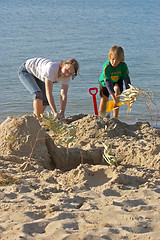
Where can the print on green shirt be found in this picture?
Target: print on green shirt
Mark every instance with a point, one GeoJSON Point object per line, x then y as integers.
{"type": "Point", "coordinates": [114, 74]}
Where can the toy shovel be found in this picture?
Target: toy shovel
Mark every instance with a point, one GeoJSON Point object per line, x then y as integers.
{"type": "Point", "coordinates": [95, 91]}
{"type": "Point", "coordinates": [110, 105]}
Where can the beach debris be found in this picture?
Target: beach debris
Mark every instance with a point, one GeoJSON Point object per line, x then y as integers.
{"type": "Point", "coordinates": [130, 95]}
{"type": "Point", "coordinates": [63, 133]}
{"type": "Point", "coordinates": [11, 139]}
{"type": "Point", "coordinates": [26, 166]}
{"type": "Point", "coordinates": [6, 179]}
{"type": "Point", "coordinates": [142, 95]}
{"type": "Point", "coordinates": [108, 156]}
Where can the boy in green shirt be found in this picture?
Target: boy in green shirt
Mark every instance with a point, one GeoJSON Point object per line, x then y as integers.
{"type": "Point", "coordinates": [114, 72]}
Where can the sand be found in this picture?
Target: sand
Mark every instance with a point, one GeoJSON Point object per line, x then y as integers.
{"type": "Point", "coordinates": [49, 193]}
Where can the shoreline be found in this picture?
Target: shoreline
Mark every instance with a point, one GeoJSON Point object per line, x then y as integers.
{"type": "Point", "coordinates": [129, 121]}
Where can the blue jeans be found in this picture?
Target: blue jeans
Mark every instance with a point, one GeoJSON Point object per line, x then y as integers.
{"type": "Point", "coordinates": [34, 85]}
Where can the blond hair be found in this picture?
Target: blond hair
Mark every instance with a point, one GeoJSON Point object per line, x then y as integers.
{"type": "Point", "coordinates": [116, 52]}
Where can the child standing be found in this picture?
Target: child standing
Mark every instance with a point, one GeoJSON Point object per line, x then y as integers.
{"type": "Point", "coordinates": [114, 72]}
{"type": "Point", "coordinates": [39, 74]}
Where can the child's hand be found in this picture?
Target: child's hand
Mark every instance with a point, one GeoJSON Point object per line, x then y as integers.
{"type": "Point", "coordinates": [115, 104]}
{"type": "Point", "coordinates": [60, 116]}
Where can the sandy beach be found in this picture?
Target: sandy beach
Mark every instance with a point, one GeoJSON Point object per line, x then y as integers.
{"type": "Point", "coordinates": [47, 192]}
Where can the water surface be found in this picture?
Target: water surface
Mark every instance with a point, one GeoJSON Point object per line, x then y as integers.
{"type": "Point", "coordinates": [85, 30]}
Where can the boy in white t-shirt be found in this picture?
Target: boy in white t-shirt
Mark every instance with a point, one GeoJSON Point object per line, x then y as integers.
{"type": "Point", "coordinates": [38, 76]}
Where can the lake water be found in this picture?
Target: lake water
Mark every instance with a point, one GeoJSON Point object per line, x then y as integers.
{"type": "Point", "coordinates": [85, 30]}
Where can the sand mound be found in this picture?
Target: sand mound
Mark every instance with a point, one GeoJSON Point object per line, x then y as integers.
{"type": "Point", "coordinates": [17, 139]}
{"type": "Point", "coordinates": [136, 144]}
{"type": "Point", "coordinates": [22, 138]}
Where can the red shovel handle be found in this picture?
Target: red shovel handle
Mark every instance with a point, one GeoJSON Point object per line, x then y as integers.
{"type": "Point", "coordinates": [93, 89]}
{"type": "Point", "coordinates": [94, 98]}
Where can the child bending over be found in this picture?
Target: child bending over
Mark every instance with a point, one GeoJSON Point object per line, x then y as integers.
{"type": "Point", "coordinates": [40, 74]}
{"type": "Point", "coordinates": [114, 72]}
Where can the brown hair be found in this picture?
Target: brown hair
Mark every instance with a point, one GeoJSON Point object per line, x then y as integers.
{"type": "Point", "coordinates": [117, 52]}
{"type": "Point", "coordinates": [73, 62]}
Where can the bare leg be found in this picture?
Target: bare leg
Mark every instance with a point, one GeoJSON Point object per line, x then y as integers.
{"type": "Point", "coordinates": [102, 106]}
{"type": "Point", "coordinates": [117, 93]}
{"type": "Point", "coordinates": [38, 108]}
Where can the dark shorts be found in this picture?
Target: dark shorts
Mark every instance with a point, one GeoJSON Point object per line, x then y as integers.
{"type": "Point", "coordinates": [41, 85]}
{"type": "Point", "coordinates": [104, 90]}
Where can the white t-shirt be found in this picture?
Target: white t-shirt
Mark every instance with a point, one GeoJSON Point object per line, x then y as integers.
{"type": "Point", "coordinates": [43, 68]}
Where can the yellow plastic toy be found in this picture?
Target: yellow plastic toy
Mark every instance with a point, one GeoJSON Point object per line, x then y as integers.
{"type": "Point", "coordinates": [110, 105]}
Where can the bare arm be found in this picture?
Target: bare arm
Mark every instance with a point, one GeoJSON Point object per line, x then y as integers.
{"type": "Point", "coordinates": [63, 99]}
{"type": "Point", "coordinates": [114, 99]}
{"type": "Point", "coordinates": [111, 91]}
{"type": "Point", "coordinates": [49, 95]}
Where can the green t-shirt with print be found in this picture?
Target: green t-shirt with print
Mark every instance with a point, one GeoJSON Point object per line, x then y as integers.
{"type": "Point", "coordinates": [114, 74]}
